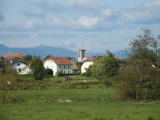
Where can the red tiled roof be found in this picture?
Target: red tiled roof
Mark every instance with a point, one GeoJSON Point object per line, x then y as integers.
{"type": "Point", "coordinates": [74, 66]}
{"type": "Point", "coordinates": [115, 57]}
{"type": "Point", "coordinates": [12, 56]}
{"type": "Point", "coordinates": [91, 58]}
{"type": "Point", "coordinates": [60, 60]}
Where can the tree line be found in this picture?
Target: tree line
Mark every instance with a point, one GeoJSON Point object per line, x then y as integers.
{"type": "Point", "coordinates": [138, 76]}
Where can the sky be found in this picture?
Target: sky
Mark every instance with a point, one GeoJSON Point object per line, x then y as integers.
{"type": "Point", "coordinates": [94, 25]}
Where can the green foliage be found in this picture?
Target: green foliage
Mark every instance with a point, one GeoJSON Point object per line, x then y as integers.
{"type": "Point", "coordinates": [37, 68]}
{"type": "Point", "coordinates": [28, 58]}
{"type": "Point", "coordinates": [59, 73]}
{"type": "Point", "coordinates": [2, 67]}
{"type": "Point", "coordinates": [16, 58]}
{"type": "Point", "coordinates": [104, 68]}
{"type": "Point", "coordinates": [140, 77]}
{"type": "Point", "coordinates": [7, 82]}
{"type": "Point", "coordinates": [47, 56]}
{"type": "Point", "coordinates": [79, 66]}
{"type": "Point", "coordinates": [48, 72]}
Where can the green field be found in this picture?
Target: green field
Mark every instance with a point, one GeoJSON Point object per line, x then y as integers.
{"type": "Point", "coordinates": [78, 103]}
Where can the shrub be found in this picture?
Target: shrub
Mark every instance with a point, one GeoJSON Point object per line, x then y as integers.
{"type": "Point", "coordinates": [37, 68]}
{"type": "Point", "coordinates": [59, 73]}
{"type": "Point", "coordinates": [48, 72]}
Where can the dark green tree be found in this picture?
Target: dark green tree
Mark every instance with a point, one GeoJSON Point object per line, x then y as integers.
{"type": "Point", "coordinates": [2, 66]}
{"type": "Point", "coordinates": [28, 58]}
{"type": "Point", "coordinates": [104, 68]}
{"type": "Point", "coordinates": [141, 76]}
{"type": "Point", "coordinates": [37, 68]}
{"type": "Point", "coordinates": [47, 56]}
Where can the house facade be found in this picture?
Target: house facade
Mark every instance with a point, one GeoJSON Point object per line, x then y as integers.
{"type": "Point", "coordinates": [87, 62]}
{"type": "Point", "coordinates": [26, 70]}
{"type": "Point", "coordinates": [59, 64]}
{"type": "Point", "coordinates": [18, 66]}
{"type": "Point", "coordinates": [75, 68]}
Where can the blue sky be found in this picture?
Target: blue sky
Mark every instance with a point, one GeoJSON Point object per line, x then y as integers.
{"type": "Point", "coordinates": [98, 24]}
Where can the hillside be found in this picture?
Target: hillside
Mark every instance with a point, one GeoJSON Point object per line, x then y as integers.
{"type": "Point", "coordinates": [47, 50]}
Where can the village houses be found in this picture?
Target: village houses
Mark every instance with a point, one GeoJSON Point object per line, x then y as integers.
{"type": "Point", "coordinates": [59, 64]}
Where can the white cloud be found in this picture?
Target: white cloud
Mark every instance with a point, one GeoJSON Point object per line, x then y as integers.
{"type": "Point", "coordinates": [81, 2]}
{"type": "Point", "coordinates": [29, 24]}
{"type": "Point", "coordinates": [87, 22]}
{"type": "Point", "coordinates": [155, 3]}
{"type": "Point", "coordinates": [107, 12]}
{"type": "Point", "coordinates": [145, 13]}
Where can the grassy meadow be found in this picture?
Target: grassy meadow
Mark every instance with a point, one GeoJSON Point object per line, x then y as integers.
{"type": "Point", "coordinates": [77, 99]}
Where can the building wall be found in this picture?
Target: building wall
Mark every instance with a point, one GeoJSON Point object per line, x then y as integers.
{"type": "Point", "coordinates": [81, 55]}
{"type": "Point", "coordinates": [18, 66]}
{"type": "Point", "coordinates": [25, 72]}
{"type": "Point", "coordinates": [67, 69]}
{"type": "Point", "coordinates": [85, 66]}
{"type": "Point", "coordinates": [50, 64]}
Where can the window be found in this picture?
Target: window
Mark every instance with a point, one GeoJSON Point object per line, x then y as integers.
{"type": "Point", "coordinates": [18, 64]}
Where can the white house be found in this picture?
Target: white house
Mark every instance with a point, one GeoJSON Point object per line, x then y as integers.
{"type": "Point", "coordinates": [87, 62]}
{"type": "Point", "coordinates": [18, 66]}
{"type": "Point", "coordinates": [25, 70]}
{"type": "Point", "coordinates": [59, 64]}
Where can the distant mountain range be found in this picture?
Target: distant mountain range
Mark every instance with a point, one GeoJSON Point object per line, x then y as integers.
{"type": "Point", "coordinates": [46, 50]}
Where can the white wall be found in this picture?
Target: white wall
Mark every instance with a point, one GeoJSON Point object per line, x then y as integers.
{"type": "Point", "coordinates": [25, 71]}
{"type": "Point", "coordinates": [50, 64]}
{"type": "Point", "coordinates": [67, 69]}
{"type": "Point", "coordinates": [18, 66]}
{"type": "Point", "coordinates": [85, 66]}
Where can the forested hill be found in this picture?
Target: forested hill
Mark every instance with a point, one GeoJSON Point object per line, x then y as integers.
{"type": "Point", "coordinates": [39, 50]}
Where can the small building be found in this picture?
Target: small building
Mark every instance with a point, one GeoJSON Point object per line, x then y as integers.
{"type": "Point", "coordinates": [18, 66]}
{"type": "Point", "coordinates": [75, 68]}
{"type": "Point", "coordinates": [87, 62]}
{"type": "Point", "coordinates": [59, 64]}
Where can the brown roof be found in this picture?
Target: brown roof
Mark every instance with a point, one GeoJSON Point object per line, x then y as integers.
{"type": "Point", "coordinates": [91, 58]}
{"type": "Point", "coordinates": [61, 60]}
{"type": "Point", "coordinates": [116, 57]}
{"type": "Point", "coordinates": [74, 66]}
{"type": "Point", "coordinates": [12, 56]}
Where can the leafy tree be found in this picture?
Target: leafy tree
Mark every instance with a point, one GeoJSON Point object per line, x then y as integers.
{"type": "Point", "coordinates": [28, 58]}
{"type": "Point", "coordinates": [48, 56]}
{"type": "Point", "coordinates": [108, 53]}
{"type": "Point", "coordinates": [48, 72]}
{"type": "Point", "coordinates": [2, 66]}
{"type": "Point", "coordinates": [104, 68]}
{"type": "Point", "coordinates": [59, 73]}
{"type": "Point", "coordinates": [140, 78]}
{"type": "Point", "coordinates": [17, 58]}
{"type": "Point", "coordinates": [37, 68]}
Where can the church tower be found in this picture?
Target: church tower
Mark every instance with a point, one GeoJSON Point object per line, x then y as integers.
{"type": "Point", "coordinates": [81, 55]}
